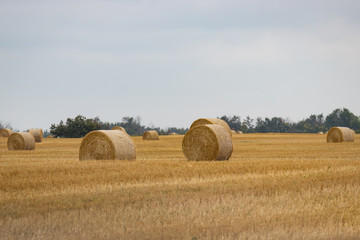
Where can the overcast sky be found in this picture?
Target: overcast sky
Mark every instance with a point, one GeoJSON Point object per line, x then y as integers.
{"type": "Point", "coordinates": [171, 62]}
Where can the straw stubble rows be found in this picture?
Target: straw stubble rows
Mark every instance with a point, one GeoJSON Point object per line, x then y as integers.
{"type": "Point", "coordinates": [274, 186]}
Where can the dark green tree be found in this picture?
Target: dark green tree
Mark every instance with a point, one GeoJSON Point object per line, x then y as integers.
{"type": "Point", "coordinates": [260, 125]}
{"type": "Point", "coordinates": [177, 130]}
{"type": "Point", "coordinates": [75, 127]}
{"type": "Point", "coordinates": [132, 126]}
{"type": "Point", "coordinates": [275, 124]}
{"type": "Point", "coordinates": [58, 130]}
{"type": "Point", "coordinates": [343, 118]}
{"type": "Point", "coordinates": [247, 125]}
{"type": "Point", "coordinates": [313, 124]}
{"type": "Point", "coordinates": [278, 124]}
{"type": "Point", "coordinates": [234, 122]}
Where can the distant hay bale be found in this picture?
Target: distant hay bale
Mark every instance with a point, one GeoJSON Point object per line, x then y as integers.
{"type": "Point", "coordinates": [239, 132]}
{"type": "Point", "coordinates": [118, 128]}
{"type": "Point", "coordinates": [150, 135]}
{"type": "Point", "coordinates": [206, 143]}
{"type": "Point", "coordinates": [21, 141]}
{"type": "Point", "coordinates": [5, 132]}
{"type": "Point", "coordinates": [320, 133]}
{"type": "Point", "coordinates": [107, 145]}
{"type": "Point", "coordinates": [340, 134]}
{"type": "Point", "coordinates": [233, 132]}
{"type": "Point", "coordinates": [37, 133]}
{"type": "Point", "coordinates": [203, 121]}
{"type": "Point", "coordinates": [50, 136]}
{"type": "Point", "coordinates": [174, 133]}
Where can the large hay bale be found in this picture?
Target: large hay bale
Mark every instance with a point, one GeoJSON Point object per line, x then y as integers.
{"type": "Point", "coordinates": [37, 133]}
{"type": "Point", "coordinates": [118, 128]}
{"type": "Point", "coordinates": [21, 141]}
{"type": "Point", "coordinates": [107, 145]}
{"type": "Point", "coordinates": [340, 134]}
{"type": "Point", "coordinates": [203, 121]}
{"type": "Point", "coordinates": [207, 142]}
{"type": "Point", "coordinates": [150, 135]}
{"type": "Point", "coordinates": [5, 132]}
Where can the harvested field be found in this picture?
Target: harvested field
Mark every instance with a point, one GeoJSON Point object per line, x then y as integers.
{"type": "Point", "coordinates": [274, 186]}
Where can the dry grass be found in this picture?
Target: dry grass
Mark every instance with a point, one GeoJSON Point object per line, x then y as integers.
{"type": "Point", "coordinates": [275, 186]}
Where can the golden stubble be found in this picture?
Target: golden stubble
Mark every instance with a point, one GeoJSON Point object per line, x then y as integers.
{"type": "Point", "coordinates": [275, 186]}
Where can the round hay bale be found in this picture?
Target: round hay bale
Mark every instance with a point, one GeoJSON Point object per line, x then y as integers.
{"type": "Point", "coordinates": [118, 128]}
{"type": "Point", "coordinates": [21, 141]}
{"type": "Point", "coordinates": [239, 132]}
{"type": "Point", "coordinates": [233, 132]}
{"type": "Point", "coordinates": [150, 135]}
{"type": "Point", "coordinates": [206, 143]}
{"type": "Point", "coordinates": [340, 134]}
{"type": "Point", "coordinates": [320, 133]}
{"type": "Point", "coordinates": [50, 136]}
{"type": "Point", "coordinates": [203, 121]}
{"type": "Point", "coordinates": [107, 145]}
{"type": "Point", "coordinates": [5, 132]}
{"type": "Point", "coordinates": [37, 133]}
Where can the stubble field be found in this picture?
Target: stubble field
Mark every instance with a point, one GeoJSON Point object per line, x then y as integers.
{"type": "Point", "coordinates": [275, 186]}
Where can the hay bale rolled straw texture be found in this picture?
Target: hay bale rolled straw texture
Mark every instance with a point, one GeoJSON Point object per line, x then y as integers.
{"type": "Point", "coordinates": [206, 143]}
{"type": "Point", "coordinates": [107, 145]}
{"type": "Point", "coordinates": [37, 133]}
{"type": "Point", "coordinates": [21, 141]}
{"type": "Point", "coordinates": [150, 135]}
{"type": "Point", "coordinates": [118, 128]}
{"type": "Point", "coordinates": [5, 132]}
{"type": "Point", "coordinates": [203, 121]}
{"type": "Point", "coordinates": [340, 134]}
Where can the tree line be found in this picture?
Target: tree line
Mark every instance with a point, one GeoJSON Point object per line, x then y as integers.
{"type": "Point", "coordinates": [313, 124]}
{"type": "Point", "coordinates": [80, 125]}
